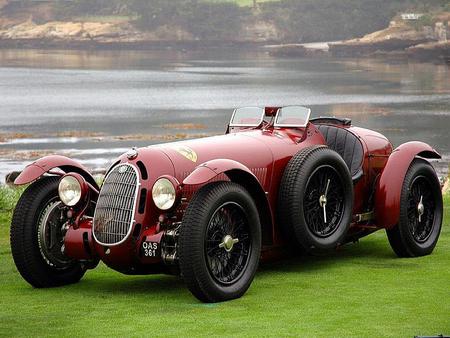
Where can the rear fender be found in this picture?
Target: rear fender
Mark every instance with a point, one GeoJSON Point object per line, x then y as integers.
{"type": "Point", "coordinates": [389, 186]}
{"type": "Point", "coordinates": [45, 164]}
{"type": "Point", "coordinates": [238, 173]}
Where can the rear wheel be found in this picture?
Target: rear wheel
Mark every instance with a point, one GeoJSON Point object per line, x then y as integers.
{"type": "Point", "coordinates": [37, 237]}
{"type": "Point", "coordinates": [220, 242]}
{"type": "Point", "coordinates": [421, 205]}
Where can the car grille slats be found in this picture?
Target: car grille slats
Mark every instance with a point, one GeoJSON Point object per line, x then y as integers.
{"type": "Point", "coordinates": [114, 213]}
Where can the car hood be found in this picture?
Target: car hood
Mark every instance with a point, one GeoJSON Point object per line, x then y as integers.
{"type": "Point", "coordinates": [241, 147]}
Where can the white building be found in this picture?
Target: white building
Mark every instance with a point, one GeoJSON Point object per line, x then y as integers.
{"type": "Point", "coordinates": [411, 16]}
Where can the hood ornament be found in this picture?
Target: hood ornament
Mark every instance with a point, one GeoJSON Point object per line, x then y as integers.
{"type": "Point", "coordinates": [132, 153]}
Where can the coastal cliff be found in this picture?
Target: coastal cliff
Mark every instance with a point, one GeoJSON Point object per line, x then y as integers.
{"type": "Point", "coordinates": [288, 27]}
{"type": "Point", "coordinates": [411, 37]}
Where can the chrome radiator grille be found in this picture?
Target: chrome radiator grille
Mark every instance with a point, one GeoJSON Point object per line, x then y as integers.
{"type": "Point", "coordinates": [114, 213]}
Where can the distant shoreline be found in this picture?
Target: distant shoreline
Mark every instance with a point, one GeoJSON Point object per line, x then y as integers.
{"type": "Point", "coordinates": [121, 45]}
{"type": "Point", "coordinates": [440, 53]}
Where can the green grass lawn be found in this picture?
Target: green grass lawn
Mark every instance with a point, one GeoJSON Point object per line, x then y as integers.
{"type": "Point", "coordinates": [363, 290]}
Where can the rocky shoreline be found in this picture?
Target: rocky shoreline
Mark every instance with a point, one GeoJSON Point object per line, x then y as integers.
{"type": "Point", "coordinates": [123, 45]}
{"type": "Point", "coordinates": [400, 39]}
{"type": "Point", "coordinates": [118, 35]}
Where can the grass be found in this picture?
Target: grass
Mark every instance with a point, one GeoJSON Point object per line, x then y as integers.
{"type": "Point", "coordinates": [362, 290]}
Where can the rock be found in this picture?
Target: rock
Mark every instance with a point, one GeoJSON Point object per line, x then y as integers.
{"type": "Point", "coordinates": [260, 31]}
{"type": "Point", "coordinates": [397, 37]}
{"type": "Point", "coordinates": [69, 31]}
{"type": "Point", "coordinates": [10, 178]}
{"type": "Point", "coordinates": [431, 51]}
{"type": "Point", "coordinates": [441, 32]}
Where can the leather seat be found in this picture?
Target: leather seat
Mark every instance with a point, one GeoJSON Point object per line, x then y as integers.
{"type": "Point", "coordinates": [346, 144]}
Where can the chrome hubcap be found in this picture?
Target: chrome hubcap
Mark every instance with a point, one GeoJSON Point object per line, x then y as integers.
{"type": "Point", "coordinates": [420, 209]}
{"type": "Point", "coordinates": [323, 201]}
{"type": "Point", "coordinates": [228, 242]}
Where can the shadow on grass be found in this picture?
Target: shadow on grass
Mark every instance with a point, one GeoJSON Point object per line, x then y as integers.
{"type": "Point", "coordinates": [134, 284]}
{"type": "Point", "coordinates": [369, 254]}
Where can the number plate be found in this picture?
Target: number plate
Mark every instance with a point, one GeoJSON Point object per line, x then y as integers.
{"type": "Point", "coordinates": [150, 249]}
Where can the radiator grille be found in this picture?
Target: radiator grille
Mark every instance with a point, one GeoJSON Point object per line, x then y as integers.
{"type": "Point", "coordinates": [114, 213]}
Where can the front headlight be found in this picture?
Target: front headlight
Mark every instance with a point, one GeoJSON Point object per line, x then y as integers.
{"type": "Point", "coordinates": [164, 194]}
{"type": "Point", "coordinates": [69, 190]}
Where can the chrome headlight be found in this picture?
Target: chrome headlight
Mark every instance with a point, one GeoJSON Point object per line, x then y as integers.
{"type": "Point", "coordinates": [69, 190]}
{"type": "Point", "coordinates": [164, 194]}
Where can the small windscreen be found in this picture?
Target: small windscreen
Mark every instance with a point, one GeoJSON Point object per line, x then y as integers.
{"type": "Point", "coordinates": [247, 117]}
{"type": "Point", "coordinates": [293, 116]}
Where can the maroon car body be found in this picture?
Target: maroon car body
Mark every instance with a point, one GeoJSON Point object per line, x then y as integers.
{"type": "Point", "coordinates": [254, 158]}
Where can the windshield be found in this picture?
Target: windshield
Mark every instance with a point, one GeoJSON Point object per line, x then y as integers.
{"type": "Point", "coordinates": [247, 117]}
{"type": "Point", "coordinates": [293, 116]}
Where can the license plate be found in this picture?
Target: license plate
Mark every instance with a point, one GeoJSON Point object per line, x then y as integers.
{"type": "Point", "coordinates": [150, 249]}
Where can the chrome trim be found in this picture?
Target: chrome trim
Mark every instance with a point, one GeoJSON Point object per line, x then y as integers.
{"type": "Point", "coordinates": [132, 153]}
{"type": "Point", "coordinates": [130, 228]}
{"type": "Point", "coordinates": [275, 124]}
{"type": "Point", "coordinates": [365, 217]}
{"type": "Point", "coordinates": [247, 125]}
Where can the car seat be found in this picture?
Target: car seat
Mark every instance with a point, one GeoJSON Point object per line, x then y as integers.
{"type": "Point", "coordinates": [346, 144]}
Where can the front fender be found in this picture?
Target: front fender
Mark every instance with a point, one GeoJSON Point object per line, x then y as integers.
{"type": "Point", "coordinates": [45, 164]}
{"type": "Point", "coordinates": [389, 186]}
{"type": "Point", "coordinates": [207, 171]}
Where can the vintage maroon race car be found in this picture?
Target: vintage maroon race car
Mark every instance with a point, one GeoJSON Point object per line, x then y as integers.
{"type": "Point", "coordinates": [208, 209]}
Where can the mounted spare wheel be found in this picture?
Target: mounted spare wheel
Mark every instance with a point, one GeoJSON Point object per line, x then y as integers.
{"type": "Point", "coordinates": [316, 199]}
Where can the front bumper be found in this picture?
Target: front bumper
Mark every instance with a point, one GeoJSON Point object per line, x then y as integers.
{"type": "Point", "coordinates": [146, 253]}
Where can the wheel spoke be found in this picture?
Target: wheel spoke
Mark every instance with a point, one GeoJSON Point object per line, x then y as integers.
{"type": "Point", "coordinates": [420, 209]}
{"type": "Point", "coordinates": [324, 205]}
{"type": "Point", "coordinates": [51, 235]}
{"type": "Point", "coordinates": [227, 243]}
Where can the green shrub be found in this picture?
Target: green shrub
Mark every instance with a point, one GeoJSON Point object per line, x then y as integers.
{"type": "Point", "coordinates": [9, 197]}
{"type": "Point", "coordinates": [204, 20]}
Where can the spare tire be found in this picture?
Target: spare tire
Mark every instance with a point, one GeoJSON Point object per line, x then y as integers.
{"type": "Point", "coordinates": [315, 199]}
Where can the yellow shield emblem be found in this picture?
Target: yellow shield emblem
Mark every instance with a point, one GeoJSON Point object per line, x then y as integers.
{"type": "Point", "coordinates": [187, 152]}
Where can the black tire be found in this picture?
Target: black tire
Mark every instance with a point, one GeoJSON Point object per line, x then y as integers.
{"type": "Point", "coordinates": [303, 194]}
{"type": "Point", "coordinates": [202, 234]}
{"type": "Point", "coordinates": [411, 237]}
{"type": "Point", "coordinates": [39, 265]}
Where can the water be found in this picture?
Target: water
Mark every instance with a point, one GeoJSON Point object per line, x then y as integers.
{"type": "Point", "coordinates": [115, 100]}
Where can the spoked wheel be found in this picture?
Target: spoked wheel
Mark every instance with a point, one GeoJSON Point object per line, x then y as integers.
{"type": "Point", "coordinates": [420, 210]}
{"type": "Point", "coordinates": [228, 243]}
{"type": "Point", "coordinates": [420, 221]}
{"type": "Point", "coordinates": [316, 199]}
{"type": "Point", "coordinates": [51, 231]}
{"type": "Point", "coordinates": [38, 228]}
{"type": "Point", "coordinates": [220, 242]}
{"type": "Point", "coordinates": [324, 201]}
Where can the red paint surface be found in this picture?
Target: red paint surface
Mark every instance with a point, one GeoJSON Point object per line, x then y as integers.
{"type": "Point", "coordinates": [261, 153]}
{"type": "Point", "coordinates": [73, 241]}
{"type": "Point", "coordinates": [388, 192]}
{"type": "Point", "coordinates": [47, 163]}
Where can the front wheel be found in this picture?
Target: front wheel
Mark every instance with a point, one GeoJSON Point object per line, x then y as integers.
{"type": "Point", "coordinates": [37, 237]}
{"type": "Point", "coordinates": [419, 226]}
{"type": "Point", "coordinates": [220, 242]}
